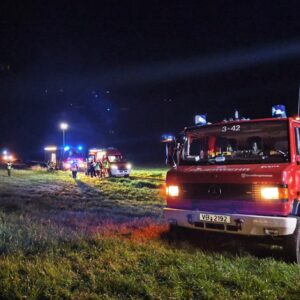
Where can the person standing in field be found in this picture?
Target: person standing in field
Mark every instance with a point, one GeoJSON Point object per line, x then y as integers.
{"type": "Point", "coordinates": [93, 173]}
{"type": "Point", "coordinates": [106, 168]}
{"type": "Point", "coordinates": [97, 169]}
{"type": "Point", "coordinates": [9, 168]}
{"type": "Point", "coordinates": [74, 169]}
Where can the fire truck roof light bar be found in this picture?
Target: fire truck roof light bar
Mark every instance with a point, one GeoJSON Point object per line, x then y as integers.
{"type": "Point", "coordinates": [278, 111]}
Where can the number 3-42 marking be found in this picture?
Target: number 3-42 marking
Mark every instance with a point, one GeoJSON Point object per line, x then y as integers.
{"type": "Point", "coordinates": [231, 128]}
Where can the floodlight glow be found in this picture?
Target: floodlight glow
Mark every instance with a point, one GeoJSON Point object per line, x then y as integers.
{"type": "Point", "coordinates": [64, 126]}
{"type": "Point", "coordinates": [128, 166]}
{"type": "Point", "coordinates": [79, 148]}
{"type": "Point", "coordinates": [4, 152]}
{"type": "Point", "coordinates": [8, 157]}
{"type": "Point", "coordinates": [67, 148]}
{"type": "Point", "coordinates": [50, 148]}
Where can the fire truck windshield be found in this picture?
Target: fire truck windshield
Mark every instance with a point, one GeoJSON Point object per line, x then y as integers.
{"type": "Point", "coordinates": [237, 143]}
{"type": "Point", "coordinates": [115, 158]}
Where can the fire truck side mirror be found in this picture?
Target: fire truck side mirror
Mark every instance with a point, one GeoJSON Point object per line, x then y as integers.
{"type": "Point", "coordinates": [169, 140]}
{"type": "Point", "coordinates": [170, 154]}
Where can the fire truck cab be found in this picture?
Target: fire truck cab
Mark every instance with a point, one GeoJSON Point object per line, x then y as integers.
{"type": "Point", "coordinates": [112, 160]}
{"type": "Point", "coordinates": [238, 177]}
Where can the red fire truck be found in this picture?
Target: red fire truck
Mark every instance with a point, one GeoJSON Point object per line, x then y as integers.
{"type": "Point", "coordinates": [112, 160]}
{"type": "Point", "coordinates": [239, 177]}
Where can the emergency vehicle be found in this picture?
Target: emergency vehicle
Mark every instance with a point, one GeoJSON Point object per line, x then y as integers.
{"type": "Point", "coordinates": [7, 157]}
{"type": "Point", "coordinates": [63, 157]}
{"type": "Point", "coordinates": [71, 155]}
{"type": "Point", "coordinates": [112, 160]}
{"type": "Point", "coordinates": [239, 176]}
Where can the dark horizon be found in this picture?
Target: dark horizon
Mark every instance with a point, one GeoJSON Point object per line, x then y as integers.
{"type": "Point", "coordinates": [122, 73]}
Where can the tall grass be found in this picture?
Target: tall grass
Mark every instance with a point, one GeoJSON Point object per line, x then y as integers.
{"type": "Point", "coordinates": [62, 240]}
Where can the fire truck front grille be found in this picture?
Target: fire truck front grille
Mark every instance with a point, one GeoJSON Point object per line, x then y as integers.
{"type": "Point", "coordinates": [220, 192]}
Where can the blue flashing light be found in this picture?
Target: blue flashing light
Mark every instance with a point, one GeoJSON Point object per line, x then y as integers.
{"type": "Point", "coordinates": [79, 148]}
{"type": "Point", "coordinates": [167, 138]}
{"type": "Point", "coordinates": [278, 111]}
{"type": "Point", "coordinates": [200, 120]}
{"type": "Point", "coordinates": [67, 148]}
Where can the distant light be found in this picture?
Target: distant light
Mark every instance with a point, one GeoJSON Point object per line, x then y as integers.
{"type": "Point", "coordinates": [50, 148]}
{"type": "Point", "coordinates": [108, 109]}
{"type": "Point", "coordinates": [4, 152]}
{"type": "Point", "coordinates": [64, 126]}
{"type": "Point", "coordinates": [167, 138]}
{"type": "Point", "coordinates": [8, 157]}
{"type": "Point", "coordinates": [67, 148]}
{"type": "Point", "coordinates": [200, 120]}
{"type": "Point", "coordinates": [279, 111]}
{"type": "Point", "coordinates": [67, 165]}
{"type": "Point", "coordinates": [79, 148]}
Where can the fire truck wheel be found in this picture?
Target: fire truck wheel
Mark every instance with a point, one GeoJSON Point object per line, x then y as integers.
{"type": "Point", "coordinates": [291, 246]}
{"type": "Point", "coordinates": [175, 232]}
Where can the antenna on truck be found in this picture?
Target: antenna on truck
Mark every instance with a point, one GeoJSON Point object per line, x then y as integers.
{"type": "Point", "coordinates": [299, 101]}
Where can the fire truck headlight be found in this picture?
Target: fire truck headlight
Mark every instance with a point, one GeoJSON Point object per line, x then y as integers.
{"type": "Point", "coordinates": [128, 166]}
{"type": "Point", "coordinates": [172, 191]}
{"type": "Point", "coordinates": [273, 193]}
{"type": "Point", "coordinates": [113, 167]}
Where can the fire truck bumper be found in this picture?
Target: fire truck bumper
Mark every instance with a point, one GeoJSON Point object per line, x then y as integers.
{"type": "Point", "coordinates": [231, 223]}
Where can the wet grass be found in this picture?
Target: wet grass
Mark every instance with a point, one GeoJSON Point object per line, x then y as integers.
{"type": "Point", "coordinates": [97, 239]}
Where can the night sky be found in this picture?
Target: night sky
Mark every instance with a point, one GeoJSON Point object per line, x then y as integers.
{"type": "Point", "coordinates": [121, 73]}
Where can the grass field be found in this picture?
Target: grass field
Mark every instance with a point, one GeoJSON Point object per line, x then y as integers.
{"type": "Point", "coordinates": [97, 239]}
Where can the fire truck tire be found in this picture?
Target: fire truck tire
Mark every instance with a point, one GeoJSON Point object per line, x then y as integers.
{"type": "Point", "coordinates": [176, 232]}
{"type": "Point", "coordinates": [291, 246]}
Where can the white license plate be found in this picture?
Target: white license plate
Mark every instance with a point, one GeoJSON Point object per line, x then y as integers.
{"type": "Point", "coordinates": [214, 218]}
